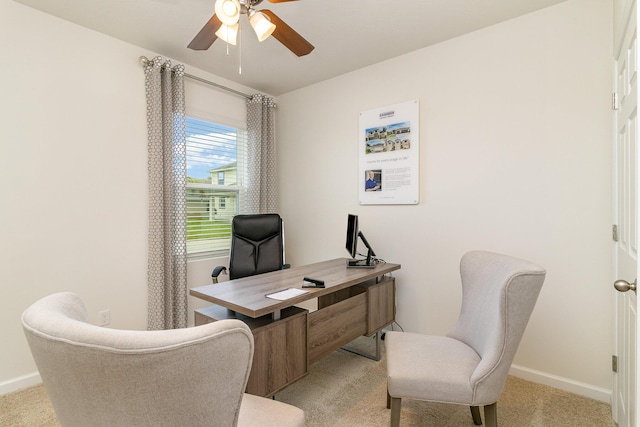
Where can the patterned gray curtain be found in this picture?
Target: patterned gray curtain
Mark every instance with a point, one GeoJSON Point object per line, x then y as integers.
{"type": "Point", "coordinates": [167, 267]}
{"type": "Point", "coordinates": [260, 196]}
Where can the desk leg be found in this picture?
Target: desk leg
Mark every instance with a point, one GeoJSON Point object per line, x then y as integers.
{"type": "Point", "coordinates": [376, 357]}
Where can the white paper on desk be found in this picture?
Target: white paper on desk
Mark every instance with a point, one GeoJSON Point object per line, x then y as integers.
{"type": "Point", "coordinates": [286, 294]}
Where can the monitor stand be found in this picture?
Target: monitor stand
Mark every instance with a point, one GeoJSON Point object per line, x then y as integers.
{"type": "Point", "coordinates": [361, 263]}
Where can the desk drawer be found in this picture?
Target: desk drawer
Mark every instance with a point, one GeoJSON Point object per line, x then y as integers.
{"type": "Point", "coordinates": [335, 325]}
{"type": "Point", "coordinates": [280, 346]}
{"type": "Point", "coordinates": [280, 356]}
{"type": "Point", "coordinates": [381, 304]}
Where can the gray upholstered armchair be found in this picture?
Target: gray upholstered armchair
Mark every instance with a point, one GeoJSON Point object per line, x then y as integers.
{"type": "Point", "coordinates": [469, 366]}
{"type": "Point", "coordinates": [184, 377]}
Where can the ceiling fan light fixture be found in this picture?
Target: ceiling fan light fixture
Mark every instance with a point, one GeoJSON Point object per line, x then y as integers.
{"type": "Point", "coordinates": [261, 25]}
{"type": "Point", "coordinates": [228, 11]}
{"type": "Point", "coordinates": [228, 33]}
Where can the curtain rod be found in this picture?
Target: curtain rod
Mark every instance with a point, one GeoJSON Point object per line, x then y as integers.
{"type": "Point", "coordinates": [144, 61]}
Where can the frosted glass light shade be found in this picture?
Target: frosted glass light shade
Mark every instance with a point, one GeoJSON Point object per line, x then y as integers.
{"type": "Point", "coordinates": [228, 11]}
{"type": "Point", "coordinates": [261, 25]}
{"type": "Point", "coordinates": [228, 33]}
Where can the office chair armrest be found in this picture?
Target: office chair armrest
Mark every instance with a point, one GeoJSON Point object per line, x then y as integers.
{"type": "Point", "coordinates": [216, 272]}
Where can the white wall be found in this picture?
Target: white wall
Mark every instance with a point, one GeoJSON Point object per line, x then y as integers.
{"type": "Point", "coordinates": [73, 174]}
{"type": "Point", "coordinates": [515, 157]}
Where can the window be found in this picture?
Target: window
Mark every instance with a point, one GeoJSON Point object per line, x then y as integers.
{"type": "Point", "coordinates": [215, 158]}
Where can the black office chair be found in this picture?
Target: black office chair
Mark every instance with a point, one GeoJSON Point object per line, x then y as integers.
{"type": "Point", "coordinates": [257, 246]}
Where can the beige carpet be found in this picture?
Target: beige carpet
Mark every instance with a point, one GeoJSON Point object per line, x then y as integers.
{"type": "Point", "coordinates": [344, 389]}
{"type": "Point", "coordinates": [348, 390]}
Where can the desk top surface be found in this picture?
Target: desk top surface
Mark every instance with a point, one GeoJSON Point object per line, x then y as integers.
{"type": "Point", "coordinates": [247, 295]}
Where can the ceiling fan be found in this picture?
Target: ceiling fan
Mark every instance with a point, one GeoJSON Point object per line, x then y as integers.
{"type": "Point", "coordinates": [224, 25]}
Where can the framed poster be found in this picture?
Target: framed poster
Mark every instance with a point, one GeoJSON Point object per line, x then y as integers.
{"type": "Point", "coordinates": [389, 155]}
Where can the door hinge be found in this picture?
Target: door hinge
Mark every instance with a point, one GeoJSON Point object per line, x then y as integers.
{"type": "Point", "coordinates": [614, 101]}
{"type": "Point", "coordinates": [614, 233]}
{"type": "Point", "coordinates": [614, 363]}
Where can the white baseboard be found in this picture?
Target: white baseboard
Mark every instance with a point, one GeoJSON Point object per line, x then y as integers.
{"type": "Point", "coordinates": [20, 383]}
{"type": "Point", "coordinates": [532, 375]}
{"type": "Point", "coordinates": [561, 383]}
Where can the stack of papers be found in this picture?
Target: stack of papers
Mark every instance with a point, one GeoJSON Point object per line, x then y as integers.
{"type": "Point", "coordinates": [286, 294]}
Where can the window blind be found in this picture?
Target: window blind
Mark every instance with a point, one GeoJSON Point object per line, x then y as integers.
{"type": "Point", "coordinates": [216, 158]}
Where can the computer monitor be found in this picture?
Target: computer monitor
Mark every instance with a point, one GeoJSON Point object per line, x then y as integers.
{"type": "Point", "coordinates": [353, 234]}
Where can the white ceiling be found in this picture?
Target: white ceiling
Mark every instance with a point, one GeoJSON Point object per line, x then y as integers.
{"type": "Point", "coordinates": [347, 34]}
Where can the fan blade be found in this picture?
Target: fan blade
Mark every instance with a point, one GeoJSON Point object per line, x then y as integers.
{"type": "Point", "coordinates": [287, 36]}
{"type": "Point", "coordinates": [207, 35]}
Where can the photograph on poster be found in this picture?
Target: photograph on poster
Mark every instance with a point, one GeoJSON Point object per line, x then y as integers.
{"type": "Point", "coordinates": [396, 136]}
{"type": "Point", "coordinates": [389, 158]}
{"type": "Point", "coordinates": [374, 178]}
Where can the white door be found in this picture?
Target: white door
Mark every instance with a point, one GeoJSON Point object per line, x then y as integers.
{"type": "Point", "coordinates": [625, 404]}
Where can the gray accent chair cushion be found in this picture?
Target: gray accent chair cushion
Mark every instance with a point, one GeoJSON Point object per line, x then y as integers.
{"type": "Point", "coordinates": [183, 377]}
{"type": "Point", "coordinates": [470, 365]}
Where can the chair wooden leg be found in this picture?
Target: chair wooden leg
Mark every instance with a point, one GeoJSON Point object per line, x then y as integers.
{"type": "Point", "coordinates": [475, 414]}
{"type": "Point", "coordinates": [491, 415]}
{"type": "Point", "coordinates": [396, 403]}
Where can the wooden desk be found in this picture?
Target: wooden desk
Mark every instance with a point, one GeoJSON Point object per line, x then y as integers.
{"type": "Point", "coordinates": [354, 302]}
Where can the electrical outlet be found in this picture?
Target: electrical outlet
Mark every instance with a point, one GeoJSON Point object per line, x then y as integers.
{"type": "Point", "coordinates": [104, 318]}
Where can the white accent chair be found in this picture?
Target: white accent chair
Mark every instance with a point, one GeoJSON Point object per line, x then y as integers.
{"type": "Point", "coordinates": [470, 365]}
{"type": "Point", "coordinates": [183, 377]}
